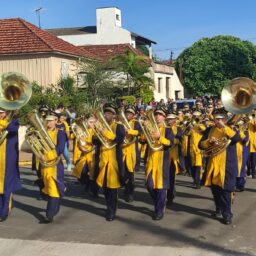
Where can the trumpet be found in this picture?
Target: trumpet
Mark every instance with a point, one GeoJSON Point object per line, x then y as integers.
{"type": "Point", "coordinates": [39, 140]}
{"type": "Point", "coordinates": [15, 92]}
{"type": "Point", "coordinates": [98, 123]}
{"type": "Point", "coordinates": [80, 130]}
{"type": "Point", "coordinates": [148, 125]}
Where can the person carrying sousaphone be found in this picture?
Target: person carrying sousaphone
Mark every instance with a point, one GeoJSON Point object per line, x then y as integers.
{"type": "Point", "coordinates": [219, 143]}
{"type": "Point", "coordinates": [9, 163]}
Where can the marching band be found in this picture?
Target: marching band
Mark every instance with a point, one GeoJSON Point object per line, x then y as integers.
{"type": "Point", "coordinates": [215, 147]}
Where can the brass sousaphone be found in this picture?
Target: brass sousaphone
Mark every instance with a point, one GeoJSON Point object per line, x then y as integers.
{"type": "Point", "coordinates": [15, 92]}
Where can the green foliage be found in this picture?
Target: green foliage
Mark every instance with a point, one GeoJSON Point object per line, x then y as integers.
{"type": "Point", "coordinates": [143, 49]}
{"type": "Point", "coordinates": [146, 95]}
{"type": "Point", "coordinates": [129, 99]}
{"type": "Point", "coordinates": [210, 63]}
{"type": "Point", "coordinates": [136, 71]}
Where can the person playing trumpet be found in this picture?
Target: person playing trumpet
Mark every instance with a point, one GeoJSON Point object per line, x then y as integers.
{"type": "Point", "coordinates": [9, 163]}
{"type": "Point", "coordinates": [219, 142]}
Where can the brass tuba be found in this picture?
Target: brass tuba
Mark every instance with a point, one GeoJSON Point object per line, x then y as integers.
{"type": "Point", "coordinates": [217, 147]}
{"type": "Point", "coordinates": [15, 92]}
{"type": "Point", "coordinates": [99, 124]}
{"type": "Point", "coordinates": [128, 140]}
{"type": "Point", "coordinates": [148, 125]}
{"type": "Point", "coordinates": [81, 132]}
{"type": "Point", "coordinates": [39, 140]}
{"type": "Point", "coordinates": [239, 96]}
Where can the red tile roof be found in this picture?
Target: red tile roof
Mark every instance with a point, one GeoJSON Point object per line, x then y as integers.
{"type": "Point", "coordinates": [105, 52]}
{"type": "Point", "coordinates": [18, 36]}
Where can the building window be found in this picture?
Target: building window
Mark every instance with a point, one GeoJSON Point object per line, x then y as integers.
{"type": "Point", "coordinates": [81, 80]}
{"type": "Point", "coordinates": [118, 17]}
{"type": "Point", "coordinates": [177, 95]}
{"type": "Point", "coordinates": [159, 85]}
{"type": "Point", "coordinates": [64, 69]}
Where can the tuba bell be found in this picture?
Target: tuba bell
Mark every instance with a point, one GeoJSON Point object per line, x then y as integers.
{"type": "Point", "coordinates": [148, 125]}
{"type": "Point", "coordinates": [39, 140]}
{"type": "Point", "coordinates": [239, 95]}
{"type": "Point", "coordinates": [15, 92]}
{"type": "Point", "coordinates": [81, 132]}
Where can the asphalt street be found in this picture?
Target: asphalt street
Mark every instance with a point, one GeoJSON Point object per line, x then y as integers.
{"type": "Point", "coordinates": [187, 228]}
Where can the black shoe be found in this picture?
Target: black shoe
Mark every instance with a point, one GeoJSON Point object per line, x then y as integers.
{"type": "Point", "coordinates": [110, 217]}
{"type": "Point", "coordinates": [128, 198]}
{"type": "Point", "coordinates": [197, 186]}
{"type": "Point", "coordinates": [217, 214]}
{"type": "Point", "coordinates": [49, 219]}
{"type": "Point", "coordinates": [239, 189]}
{"type": "Point", "coordinates": [158, 217]}
{"type": "Point", "coordinates": [227, 221]}
{"type": "Point", "coordinates": [3, 218]}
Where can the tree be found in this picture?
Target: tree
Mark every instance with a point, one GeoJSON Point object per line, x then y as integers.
{"type": "Point", "coordinates": [99, 79]}
{"type": "Point", "coordinates": [210, 63]}
{"type": "Point", "coordinates": [135, 69]}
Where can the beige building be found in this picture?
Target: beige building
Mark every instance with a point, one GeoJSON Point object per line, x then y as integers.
{"type": "Point", "coordinates": [37, 54]}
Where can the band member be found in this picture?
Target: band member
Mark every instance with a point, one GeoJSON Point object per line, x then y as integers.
{"type": "Point", "coordinates": [252, 141]}
{"type": "Point", "coordinates": [176, 163]}
{"type": "Point", "coordinates": [9, 166]}
{"type": "Point", "coordinates": [84, 168]}
{"type": "Point", "coordinates": [109, 167]}
{"type": "Point", "coordinates": [196, 156]}
{"type": "Point", "coordinates": [221, 170]}
{"type": "Point", "coordinates": [131, 153]}
{"type": "Point", "coordinates": [63, 125]}
{"type": "Point", "coordinates": [243, 151]}
{"type": "Point", "coordinates": [36, 166]}
{"type": "Point", "coordinates": [158, 164]}
{"type": "Point", "coordinates": [53, 177]}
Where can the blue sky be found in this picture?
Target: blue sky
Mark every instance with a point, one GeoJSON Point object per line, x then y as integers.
{"type": "Point", "coordinates": [173, 24]}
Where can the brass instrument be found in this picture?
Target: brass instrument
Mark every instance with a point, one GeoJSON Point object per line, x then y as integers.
{"type": "Point", "coordinates": [15, 92]}
{"type": "Point", "coordinates": [239, 97]}
{"type": "Point", "coordinates": [148, 125]}
{"type": "Point", "coordinates": [99, 124]}
{"type": "Point", "coordinates": [128, 140]}
{"type": "Point", "coordinates": [219, 146]}
{"type": "Point", "coordinates": [39, 140]}
{"type": "Point", "coordinates": [80, 130]}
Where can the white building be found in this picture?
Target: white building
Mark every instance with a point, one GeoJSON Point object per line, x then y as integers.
{"type": "Point", "coordinates": [109, 31]}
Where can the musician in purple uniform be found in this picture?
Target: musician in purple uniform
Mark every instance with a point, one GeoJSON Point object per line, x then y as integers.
{"type": "Point", "coordinates": [53, 176]}
{"type": "Point", "coordinates": [9, 163]}
{"type": "Point", "coordinates": [158, 163]}
{"type": "Point", "coordinates": [109, 166]}
{"type": "Point", "coordinates": [221, 170]}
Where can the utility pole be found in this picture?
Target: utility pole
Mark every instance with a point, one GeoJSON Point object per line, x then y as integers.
{"type": "Point", "coordinates": [171, 57]}
{"type": "Point", "coordinates": [38, 15]}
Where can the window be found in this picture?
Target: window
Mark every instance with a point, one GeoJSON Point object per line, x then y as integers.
{"type": "Point", "coordinates": [118, 17]}
{"type": "Point", "coordinates": [64, 69]}
{"type": "Point", "coordinates": [159, 85]}
{"type": "Point", "coordinates": [81, 80]}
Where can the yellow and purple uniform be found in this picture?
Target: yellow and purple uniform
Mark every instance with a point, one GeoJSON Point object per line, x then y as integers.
{"type": "Point", "coordinates": [9, 169]}
{"type": "Point", "coordinates": [221, 169]}
{"type": "Point", "coordinates": [252, 144]}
